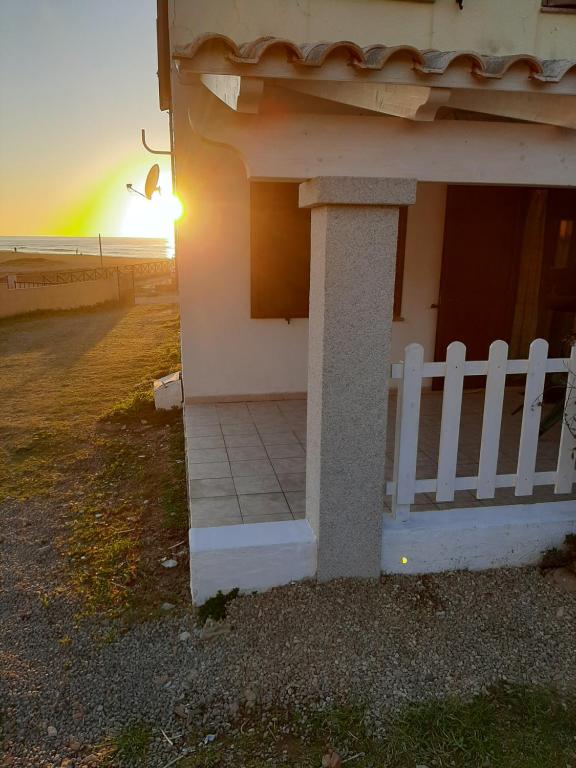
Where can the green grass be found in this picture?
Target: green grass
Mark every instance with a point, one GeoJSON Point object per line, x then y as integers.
{"type": "Point", "coordinates": [130, 747]}
{"type": "Point", "coordinates": [216, 607]}
{"type": "Point", "coordinates": [174, 498]}
{"type": "Point", "coordinates": [507, 727]}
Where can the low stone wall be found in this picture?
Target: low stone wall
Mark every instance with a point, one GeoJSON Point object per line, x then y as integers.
{"type": "Point", "coordinates": [18, 301]}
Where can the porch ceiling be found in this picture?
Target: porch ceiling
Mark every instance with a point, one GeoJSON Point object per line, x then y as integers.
{"type": "Point", "coordinates": [270, 57]}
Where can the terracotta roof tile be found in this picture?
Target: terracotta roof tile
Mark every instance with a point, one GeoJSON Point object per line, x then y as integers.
{"type": "Point", "coordinates": [376, 57]}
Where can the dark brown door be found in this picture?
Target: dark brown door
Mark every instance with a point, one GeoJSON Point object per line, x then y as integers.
{"type": "Point", "coordinates": [480, 263]}
{"type": "Point", "coordinates": [556, 320]}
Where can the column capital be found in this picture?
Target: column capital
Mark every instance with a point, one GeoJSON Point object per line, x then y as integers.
{"type": "Point", "coordinates": [357, 190]}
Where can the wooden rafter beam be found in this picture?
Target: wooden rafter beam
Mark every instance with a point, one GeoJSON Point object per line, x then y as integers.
{"type": "Point", "coordinates": [414, 102]}
{"type": "Point", "coordinates": [241, 94]}
{"type": "Point", "coordinates": [300, 146]}
{"type": "Point", "coordinates": [533, 107]}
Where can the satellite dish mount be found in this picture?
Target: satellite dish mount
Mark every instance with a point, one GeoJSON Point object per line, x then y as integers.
{"type": "Point", "coordinates": [150, 185]}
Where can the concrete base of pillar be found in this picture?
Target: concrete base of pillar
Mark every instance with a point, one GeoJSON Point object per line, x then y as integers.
{"type": "Point", "coordinates": [253, 557]}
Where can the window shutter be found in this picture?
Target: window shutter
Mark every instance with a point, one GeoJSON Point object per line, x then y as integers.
{"type": "Point", "coordinates": [280, 251]}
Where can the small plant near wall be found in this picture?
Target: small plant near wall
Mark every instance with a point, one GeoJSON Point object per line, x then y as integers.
{"type": "Point", "coordinates": [216, 607]}
{"type": "Point", "coordinates": [565, 557]}
{"type": "Point", "coordinates": [563, 406]}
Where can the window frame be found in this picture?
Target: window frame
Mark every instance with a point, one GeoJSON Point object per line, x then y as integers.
{"type": "Point", "coordinates": [400, 262]}
{"type": "Point", "coordinates": [558, 6]}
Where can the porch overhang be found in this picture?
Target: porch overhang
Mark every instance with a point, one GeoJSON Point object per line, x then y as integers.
{"type": "Point", "coordinates": [297, 111]}
{"type": "Point", "coordinates": [300, 146]}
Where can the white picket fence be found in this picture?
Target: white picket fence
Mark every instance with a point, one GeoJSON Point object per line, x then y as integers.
{"type": "Point", "coordinates": [410, 374]}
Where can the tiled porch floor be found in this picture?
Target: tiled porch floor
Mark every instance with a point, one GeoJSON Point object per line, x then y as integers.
{"type": "Point", "coordinates": [246, 461]}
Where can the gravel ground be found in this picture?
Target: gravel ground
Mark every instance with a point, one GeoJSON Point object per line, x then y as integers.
{"type": "Point", "coordinates": [383, 644]}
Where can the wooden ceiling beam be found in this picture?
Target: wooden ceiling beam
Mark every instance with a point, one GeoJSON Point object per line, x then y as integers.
{"type": "Point", "coordinates": [300, 146]}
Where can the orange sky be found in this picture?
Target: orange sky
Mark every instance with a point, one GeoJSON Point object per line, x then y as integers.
{"type": "Point", "coordinates": [78, 82]}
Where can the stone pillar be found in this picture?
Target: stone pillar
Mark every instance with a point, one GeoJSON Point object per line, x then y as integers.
{"type": "Point", "coordinates": [354, 234]}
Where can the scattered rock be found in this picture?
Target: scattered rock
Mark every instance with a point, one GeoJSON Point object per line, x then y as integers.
{"type": "Point", "coordinates": [331, 760]}
{"type": "Point", "coordinates": [181, 711]}
{"type": "Point", "coordinates": [169, 563]}
{"type": "Point", "coordinates": [167, 606]}
{"type": "Point", "coordinates": [184, 636]}
{"type": "Point", "coordinates": [74, 745]}
{"type": "Point", "coordinates": [78, 712]}
{"type": "Point", "coordinates": [212, 629]}
{"type": "Point", "coordinates": [52, 731]}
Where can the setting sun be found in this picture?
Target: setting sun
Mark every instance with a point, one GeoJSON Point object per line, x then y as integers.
{"type": "Point", "coordinates": [154, 217]}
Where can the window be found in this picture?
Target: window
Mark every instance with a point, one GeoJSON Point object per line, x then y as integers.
{"type": "Point", "coordinates": [280, 251]}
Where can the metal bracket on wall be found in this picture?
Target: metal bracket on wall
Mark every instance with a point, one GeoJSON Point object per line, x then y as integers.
{"type": "Point", "coordinates": [153, 151]}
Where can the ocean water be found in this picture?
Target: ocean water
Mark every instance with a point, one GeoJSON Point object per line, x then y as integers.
{"type": "Point", "coordinates": [140, 247]}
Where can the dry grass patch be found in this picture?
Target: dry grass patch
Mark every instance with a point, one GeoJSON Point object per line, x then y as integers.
{"type": "Point", "coordinates": [80, 431]}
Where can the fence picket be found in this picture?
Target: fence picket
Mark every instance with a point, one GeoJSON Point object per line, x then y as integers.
{"type": "Point", "coordinates": [492, 419]}
{"type": "Point", "coordinates": [531, 415]}
{"type": "Point", "coordinates": [407, 427]}
{"type": "Point", "coordinates": [450, 425]}
{"type": "Point", "coordinates": [567, 450]}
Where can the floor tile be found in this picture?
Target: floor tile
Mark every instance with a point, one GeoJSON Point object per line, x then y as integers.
{"type": "Point", "coordinates": [264, 506]}
{"type": "Point", "coordinates": [204, 455]}
{"type": "Point", "coordinates": [246, 453]}
{"type": "Point", "coordinates": [209, 441]}
{"type": "Point", "coordinates": [293, 482]}
{"type": "Point", "coordinates": [272, 425]}
{"type": "Point", "coordinates": [201, 419]}
{"type": "Point", "coordinates": [239, 420]}
{"type": "Point", "coordinates": [224, 505]}
{"type": "Point", "coordinates": [203, 489]}
{"type": "Point", "coordinates": [254, 467]}
{"type": "Point", "coordinates": [289, 466]}
{"type": "Point", "coordinates": [285, 451]}
{"type": "Point", "coordinates": [257, 484]}
{"type": "Point", "coordinates": [239, 441]}
{"type": "Point", "coordinates": [239, 429]}
{"type": "Point", "coordinates": [215, 512]}
{"type": "Point", "coordinates": [205, 520]}
{"type": "Point", "coordinates": [213, 469]}
{"type": "Point", "coordinates": [278, 438]}
{"type": "Point", "coordinates": [208, 430]}
{"type": "Point", "coordinates": [297, 502]}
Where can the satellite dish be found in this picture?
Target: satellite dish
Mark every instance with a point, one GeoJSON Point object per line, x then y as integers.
{"type": "Point", "coordinates": [151, 184]}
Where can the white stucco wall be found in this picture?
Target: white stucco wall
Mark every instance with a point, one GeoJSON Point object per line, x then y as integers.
{"type": "Point", "coordinates": [224, 352]}
{"type": "Point", "coordinates": [424, 243]}
{"type": "Point", "coordinates": [495, 27]}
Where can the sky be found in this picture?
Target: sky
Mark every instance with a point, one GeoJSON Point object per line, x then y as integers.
{"type": "Point", "coordinates": [77, 83]}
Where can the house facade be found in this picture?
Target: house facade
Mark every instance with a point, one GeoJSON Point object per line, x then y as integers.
{"type": "Point", "coordinates": [358, 177]}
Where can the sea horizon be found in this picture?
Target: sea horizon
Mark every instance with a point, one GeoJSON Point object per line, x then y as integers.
{"type": "Point", "coordinates": [128, 247]}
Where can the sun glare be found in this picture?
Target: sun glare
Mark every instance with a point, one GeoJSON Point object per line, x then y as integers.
{"type": "Point", "coordinates": [152, 218]}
